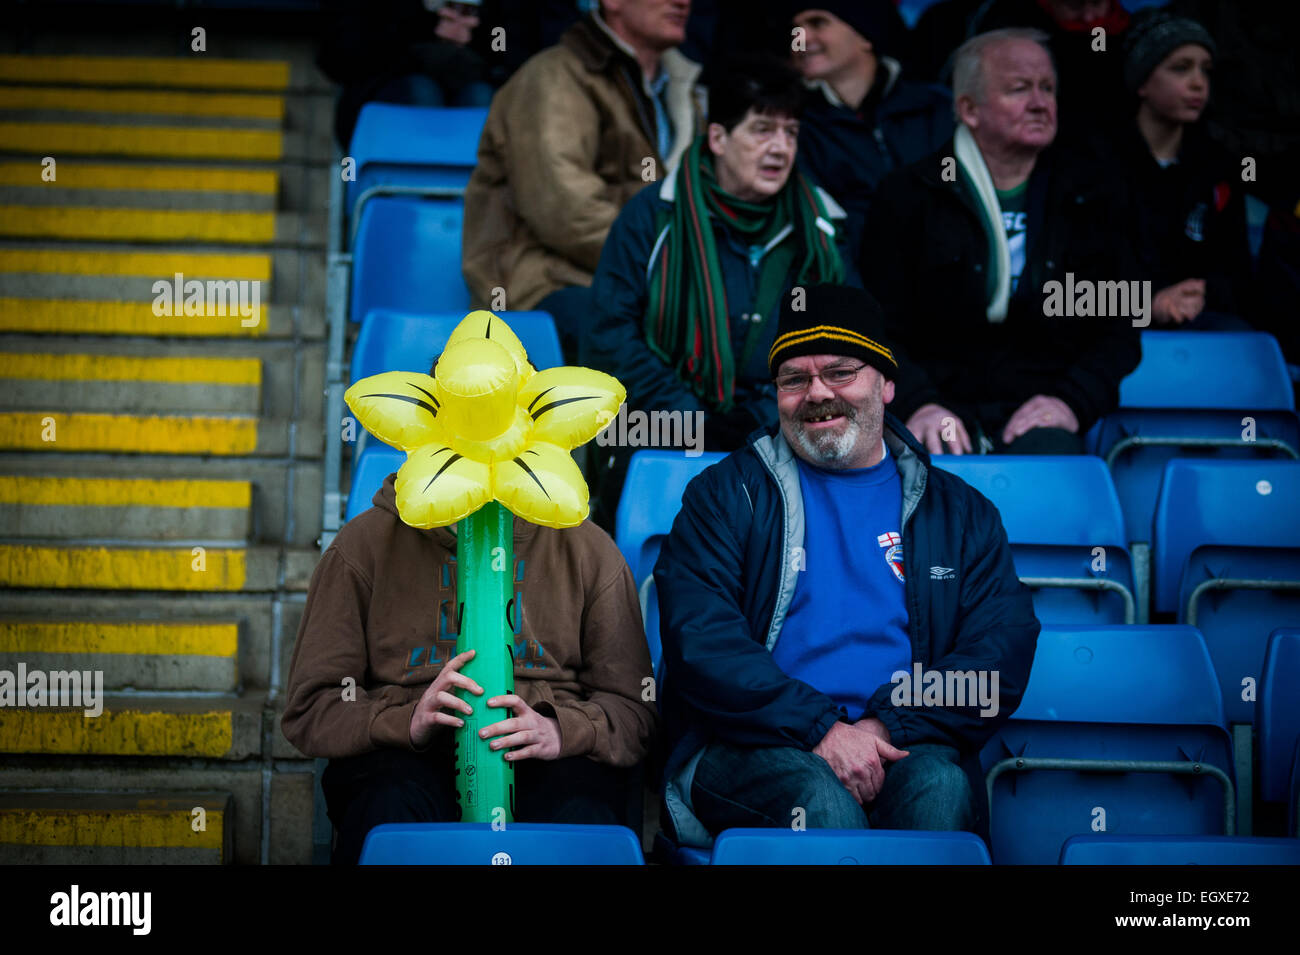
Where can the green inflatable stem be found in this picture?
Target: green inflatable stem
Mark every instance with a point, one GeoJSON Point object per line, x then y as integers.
{"type": "Point", "coordinates": [485, 781]}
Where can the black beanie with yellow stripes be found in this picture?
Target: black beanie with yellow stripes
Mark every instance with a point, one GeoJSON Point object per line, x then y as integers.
{"type": "Point", "coordinates": [833, 320]}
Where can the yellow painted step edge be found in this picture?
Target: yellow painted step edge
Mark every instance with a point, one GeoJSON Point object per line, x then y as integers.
{"type": "Point", "coordinates": [43, 491]}
{"type": "Point", "coordinates": [174, 370]}
{"type": "Point", "coordinates": [72, 316]}
{"type": "Point", "coordinates": [134, 638]}
{"type": "Point", "coordinates": [116, 732]}
{"type": "Point", "coordinates": [75, 174]}
{"type": "Point", "coordinates": [149, 225]}
{"type": "Point", "coordinates": [75, 99]}
{"type": "Point", "coordinates": [123, 568]}
{"type": "Point", "coordinates": [198, 71]}
{"type": "Point", "coordinates": [166, 829]}
{"type": "Point", "coordinates": [187, 142]}
{"type": "Point", "coordinates": [140, 434]}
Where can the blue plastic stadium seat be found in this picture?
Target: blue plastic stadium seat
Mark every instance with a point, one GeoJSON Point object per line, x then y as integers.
{"type": "Point", "coordinates": [1227, 560]}
{"type": "Point", "coordinates": [847, 847]}
{"type": "Point", "coordinates": [1100, 849]}
{"type": "Point", "coordinates": [670, 853]}
{"type": "Point", "coordinates": [652, 496]}
{"type": "Point", "coordinates": [413, 146]}
{"type": "Point", "coordinates": [1277, 719]}
{"type": "Point", "coordinates": [406, 257]}
{"type": "Point", "coordinates": [1188, 397]}
{"type": "Point", "coordinates": [368, 473]}
{"type": "Point", "coordinates": [1057, 510]}
{"type": "Point", "coordinates": [1293, 804]}
{"type": "Point", "coordinates": [396, 341]}
{"type": "Point", "coordinates": [1114, 697]}
{"type": "Point", "coordinates": [519, 843]}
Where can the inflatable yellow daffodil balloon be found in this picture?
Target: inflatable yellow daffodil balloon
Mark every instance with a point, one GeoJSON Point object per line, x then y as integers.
{"type": "Point", "coordinates": [488, 427]}
{"type": "Point", "coordinates": [487, 430]}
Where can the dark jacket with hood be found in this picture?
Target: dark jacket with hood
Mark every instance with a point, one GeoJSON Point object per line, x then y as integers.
{"type": "Point", "coordinates": [848, 150]}
{"type": "Point", "coordinates": [726, 577]}
{"type": "Point", "coordinates": [383, 610]}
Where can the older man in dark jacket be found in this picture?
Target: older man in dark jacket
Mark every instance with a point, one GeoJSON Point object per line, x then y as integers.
{"type": "Point", "coordinates": [1000, 263]}
{"type": "Point", "coordinates": [810, 582]}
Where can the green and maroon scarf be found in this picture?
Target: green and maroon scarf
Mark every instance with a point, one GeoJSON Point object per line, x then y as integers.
{"type": "Point", "coordinates": [686, 316]}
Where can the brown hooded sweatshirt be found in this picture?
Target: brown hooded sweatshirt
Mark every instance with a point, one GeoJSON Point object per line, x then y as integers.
{"type": "Point", "coordinates": [382, 609]}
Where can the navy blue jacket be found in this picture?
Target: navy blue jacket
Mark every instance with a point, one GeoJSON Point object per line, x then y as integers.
{"type": "Point", "coordinates": [849, 154]}
{"type": "Point", "coordinates": [615, 341]}
{"type": "Point", "coordinates": [726, 576]}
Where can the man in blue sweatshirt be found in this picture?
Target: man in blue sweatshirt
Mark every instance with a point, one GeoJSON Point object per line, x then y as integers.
{"type": "Point", "coordinates": [843, 627]}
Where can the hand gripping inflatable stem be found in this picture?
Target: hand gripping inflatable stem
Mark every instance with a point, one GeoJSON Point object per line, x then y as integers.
{"type": "Point", "coordinates": [485, 780]}
{"type": "Point", "coordinates": [487, 428]}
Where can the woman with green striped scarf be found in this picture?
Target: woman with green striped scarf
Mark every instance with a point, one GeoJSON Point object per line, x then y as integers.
{"type": "Point", "coordinates": [692, 274]}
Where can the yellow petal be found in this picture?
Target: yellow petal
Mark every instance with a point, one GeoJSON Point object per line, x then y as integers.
{"type": "Point", "coordinates": [477, 384]}
{"type": "Point", "coordinates": [570, 406]}
{"type": "Point", "coordinates": [484, 324]}
{"type": "Point", "coordinates": [398, 407]}
{"type": "Point", "coordinates": [542, 485]}
{"type": "Point", "coordinates": [436, 487]}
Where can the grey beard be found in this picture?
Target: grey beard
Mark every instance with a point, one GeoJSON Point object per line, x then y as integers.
{"type": "Point", "coordinates": [833, 451]}
{"type": "Point", "coordinates": [830, 450]}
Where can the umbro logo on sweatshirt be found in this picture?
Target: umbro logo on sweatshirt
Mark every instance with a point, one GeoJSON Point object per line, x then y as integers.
{"type": "Point", "coordinates": [942, 573]}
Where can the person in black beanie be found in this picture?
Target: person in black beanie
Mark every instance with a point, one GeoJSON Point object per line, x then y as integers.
{"type": "Point", "coordinates": [1191, 223]}
{"type": "Point", "coordinates": [863, 119]}
{"type": "Point", "coordinates": [805, 575]}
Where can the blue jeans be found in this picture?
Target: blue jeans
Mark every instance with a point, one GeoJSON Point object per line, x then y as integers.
{"type": "Point", "coordinates": [738, 786]}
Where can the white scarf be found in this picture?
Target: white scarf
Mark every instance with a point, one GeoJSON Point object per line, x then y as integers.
{"type": "Point", "coordinates": [972, 161]}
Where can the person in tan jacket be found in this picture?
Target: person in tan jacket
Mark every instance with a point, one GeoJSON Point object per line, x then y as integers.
{"type": "Point", "coordinates": [574, 134]}
{"type": "Point", "coordinates": [375, 683]}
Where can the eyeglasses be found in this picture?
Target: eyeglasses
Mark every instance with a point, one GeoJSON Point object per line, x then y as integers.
{"type": "Point", "coordinates": [836, 377]}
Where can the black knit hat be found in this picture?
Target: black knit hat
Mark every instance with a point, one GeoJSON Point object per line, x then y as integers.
{"type": "Point", "coordinates": [1152, 36]}
{"type": "Point", "coordinates": [834, 320]}
{"type": "Point", "coordinates": [875, 20]}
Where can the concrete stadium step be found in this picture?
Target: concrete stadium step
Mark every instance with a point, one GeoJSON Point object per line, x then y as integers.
{"type": "Point", "coordinates": [148, 225]}
{"type": "Point", "coordinates": [122, 191]}
{"type": "Point", "coordinates": [50, 507]}
{"type": "Point", "coordinates": [195, 568]}
{"type": "Point", "coordinates": [72, 99]}
{"type": "Point", "coordinates": [159, 828]}
{"type": "Point", "coordinates": [120, 139]}
{"type": "Point", "coordinates": [131, 383]}
{"type": "Point", "coordinates": [79, 174]}
{"type": "Point", "coordinates": [51, 430]}
{"type": "Point", "coordinates": [91, 317]}
{"type": "Point", "coordinates": [219, 727]}
{"type": "Point", "coordinates": [286, 497]}
{"type": "Point", "coordinates": [130, 184]}
{"type": "Point", "coordinates": [290, 793]}
{"type": "Point", "coordinates": [57, 260]}
{"type": "Point", "coordinates": [97, 373]}
{"type": "Point", "coordinates": [93, 274]}
{"type": "Point", "coordinates": [140, 656]}
{"type": "Point", "coordinates": [267, 624]}
{"type": "Point", "coordinates": [196, 72]}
